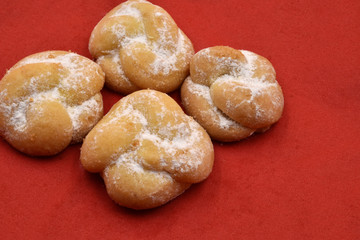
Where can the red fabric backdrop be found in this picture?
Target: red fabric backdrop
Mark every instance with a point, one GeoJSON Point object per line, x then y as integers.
{"type": "Point", "coordinates": [299, 180]}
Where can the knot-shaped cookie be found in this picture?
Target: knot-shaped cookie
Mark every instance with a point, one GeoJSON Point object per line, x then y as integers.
{"type": "Point", "coordinates": [232, 93]}
{"type": "Point", "coordinates": [139, 46]}
{"type": "Point", "coordinates": [147, 150]}
{"type": "Point", "coordinates": [49, 100]}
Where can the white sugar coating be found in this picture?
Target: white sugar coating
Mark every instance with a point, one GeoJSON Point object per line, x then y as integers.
{"type": "Point", "coordinates": [89, 106]}
{"type": "Point", "coordinates": [182, 148]}
{"type": "Point", "coordinates": [219, 117]}
{"type": "Point", "coordinates": [126, 159]}
{"type": "Point", "coordinates": [251, 66]}
{"type": "Point", "coordinates": [136, 169]}
{"type": "Point", "coordinates": [133, 164]}
{"type": "Point", "coordinates": [16, 111]}
{"type": "Point", "coordinates": [18, 118]}
{"type": "Point", "coordinates": [114, 56]}
{"type": "Point", "coordinates": [184, 140]}
{"type": "Point", "coordinates": [70, 61]}
{"type": "Point", "coordinates": [165, 59]}
{"type": "Point", "coordinates": [250, 58]}
{"type": "Point", "coordinates": [128, 10]}
{"type": "Point", "coordinates": [238, 69]}
{"type": "Point", "coordinates": [240, 77]}
{"type": "Point", "coordinates": [255, 86]}
{"type": "Point", "coordinates": [130, 112]}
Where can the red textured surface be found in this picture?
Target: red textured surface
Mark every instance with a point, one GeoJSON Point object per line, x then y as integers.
{"type": "Point", "coordinates": [299, 180]}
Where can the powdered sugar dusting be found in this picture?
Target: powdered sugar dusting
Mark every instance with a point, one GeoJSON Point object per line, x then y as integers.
{"type": "Point", "coordinates": [165, 61]}
{"type": "Point", "coordinates": [72, 72]}
{"type": "Point", "coordinates": [18, 118]}
{"type": "Point", "coordinates": [16, 111]}
{"type": "Point", "coordinates": [166, 58]}
{"type": "Point", "coordinates": [114, 56]}
{"type": "Point", "coordinates": [135, 168]}
{"type": "Point", "coordinates": [241, 76]}
{"type": "Point", "coordinates": [219, 117]}
{"type": "Point", "coordinates": [70, 61]}
{"type": "Point", "coordinates": [128, 10]}
{"type": "Point", "coordinates": [75, 112]}
{"type": "Point", "coordinates": [173, 149]}
{"type": "Point", "coordinates": [254, 85]}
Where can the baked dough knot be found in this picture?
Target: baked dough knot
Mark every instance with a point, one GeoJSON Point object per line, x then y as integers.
{"type": "Point", "coordinates": [139, 46]}
{"type": "Point", "coordinates": [232, 93]}
{"type": "Point", "coordinates": [147, 150]}
{"type": "Point", "coordinates": [49, 100]}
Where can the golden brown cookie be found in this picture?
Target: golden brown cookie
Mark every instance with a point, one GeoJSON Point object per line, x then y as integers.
{"type": "Point", "coordinates": [49, 100]}
{"type": "Point", "coordinates": [147, 150]}
{"type": "Point", "coordinates": [139, 46]}
{"type": "Point", "coordinates": [232, 93]}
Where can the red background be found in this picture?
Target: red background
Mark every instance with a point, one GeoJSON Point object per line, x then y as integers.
{"type": "Point", "coordinates": [299, 180]}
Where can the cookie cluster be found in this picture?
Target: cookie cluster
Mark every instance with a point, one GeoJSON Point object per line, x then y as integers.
{"type": "Point", "coordinates": [146, 148]}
